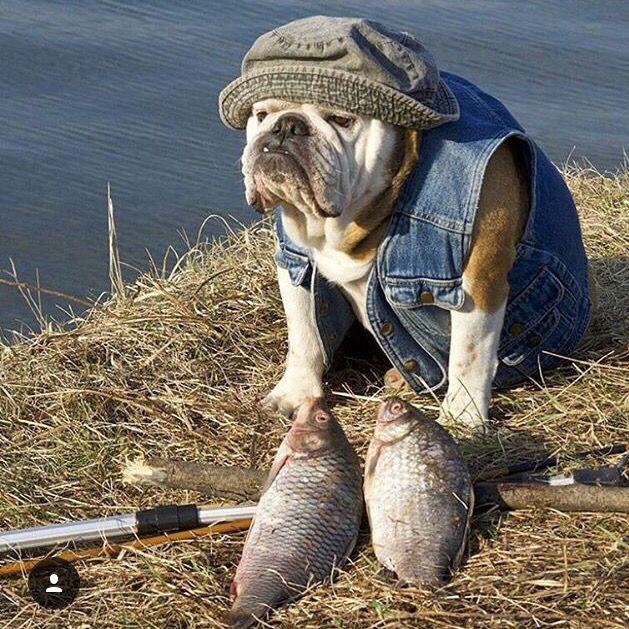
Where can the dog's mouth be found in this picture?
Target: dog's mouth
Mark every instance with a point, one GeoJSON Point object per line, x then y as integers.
{"type": "Point", "coordinates": [277, 160]}
{"type": "Point", "coordinates": [282, 177]}
{"type": "Point", "coordinates": [280, 150]}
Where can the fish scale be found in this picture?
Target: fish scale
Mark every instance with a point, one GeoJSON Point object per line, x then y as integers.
{"type": "Point", "coordinates": [307, 520]}
{"type": "Point", "coordinates": [419, 495]}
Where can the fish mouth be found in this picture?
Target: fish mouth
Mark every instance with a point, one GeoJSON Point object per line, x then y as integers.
{"type": "Point", "coordinates": [392, 422]}
{"type": "Point", "coordinates": [307, 441]}
{"type": "Point", "coordinates": [304, 430]}
{"type": "Point", "coordinates": [384, 439]}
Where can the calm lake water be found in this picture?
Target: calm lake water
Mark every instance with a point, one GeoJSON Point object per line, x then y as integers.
{"type": "Point", "coordinates": [92, 91]}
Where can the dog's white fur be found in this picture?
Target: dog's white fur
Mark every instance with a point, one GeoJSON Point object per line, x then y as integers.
{"type": "Point", "coordinates": [470, 373]}
{"type": "Point", "coordinates": [350, 164]}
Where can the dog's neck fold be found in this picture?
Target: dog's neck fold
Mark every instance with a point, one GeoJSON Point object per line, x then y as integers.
{"type": "Point", "coordinates": [362, 236]}
{"type": "Point", "coordinates": [350, 246]}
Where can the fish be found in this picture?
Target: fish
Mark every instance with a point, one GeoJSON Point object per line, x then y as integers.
{"type": "Point", "coordinates": [307, 519]}
{"type": "Point", "coordinates": [419, 496]}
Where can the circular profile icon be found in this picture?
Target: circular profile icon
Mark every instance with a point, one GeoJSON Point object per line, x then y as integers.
{"type": "Point", "coordinates": [54, 583]}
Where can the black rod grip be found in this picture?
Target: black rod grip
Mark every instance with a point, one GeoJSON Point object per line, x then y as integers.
{"type": "Point", "coordinates": [167, 518]}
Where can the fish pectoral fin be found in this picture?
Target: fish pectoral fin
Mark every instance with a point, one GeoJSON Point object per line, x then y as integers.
{"type": "Point", "coordinates": [387, 574]}
{"type": "Point", "coordinates": [281, 458]}
{"type": "Point", "coordinates": [348, 551]}
{"type": "Point", "coordinates": [233, 589]}
{"type": "Point", "coordinates": [458, 558]}
{"type": "Point", "coordinates": [371, 463]}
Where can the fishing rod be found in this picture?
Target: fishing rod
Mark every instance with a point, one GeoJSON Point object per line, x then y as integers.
{"type": "Point", "coordinates": [541, 464]}
{"type": "Point", "coordinates": [24, 566]}
{"type": "Point", "coordinates": [155, 521]}
{"type": "Point", "coordinates": [584, 490]}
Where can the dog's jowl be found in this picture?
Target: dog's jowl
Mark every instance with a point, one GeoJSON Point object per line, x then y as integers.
{"type": "Point", "coordinates": [412, 200]}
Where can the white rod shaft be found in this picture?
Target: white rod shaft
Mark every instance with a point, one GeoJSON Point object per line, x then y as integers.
{"type": "Point", "coordinates": [84, 531]}
{"type": "Point", "coordinates": [103, 529]}
{"type": "Point", "coordinates": [210, 515]}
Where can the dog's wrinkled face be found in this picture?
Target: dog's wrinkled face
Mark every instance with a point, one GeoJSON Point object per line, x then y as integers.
{"type": "Point", "coordinates": [322, 162]}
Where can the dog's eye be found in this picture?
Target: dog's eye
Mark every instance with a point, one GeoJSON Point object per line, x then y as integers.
{"type": "Point", "coordinates": [261, 115]}
{"type": "Point", "coordinates": [340, 121]}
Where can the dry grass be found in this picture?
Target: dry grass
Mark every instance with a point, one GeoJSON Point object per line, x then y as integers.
{"type": "Point", "coordinates": [175, 369]}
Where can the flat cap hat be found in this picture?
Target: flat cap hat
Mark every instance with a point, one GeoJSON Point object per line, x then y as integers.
{"type": "Point", "coordinates": [352, 64]}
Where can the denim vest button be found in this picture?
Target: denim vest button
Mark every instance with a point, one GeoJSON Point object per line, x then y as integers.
{"type": "Point", "coordinates": [323, 308]}
{"type": "Point", "coordinates": [426, 298]}
{"type": "Point", "coordinates": [386, 328]}
{"type": "Point", "coordinates": [516, 329]}
{"type": "Point", "coordinates": [410, 365]}
{"type": "Point", "coordinates": [534, 340]}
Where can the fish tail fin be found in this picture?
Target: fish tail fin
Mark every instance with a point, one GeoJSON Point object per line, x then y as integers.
{"type": "Point", "coordinates": [240, 619]}
{"type": "Point", "coordinates": [247, 613]}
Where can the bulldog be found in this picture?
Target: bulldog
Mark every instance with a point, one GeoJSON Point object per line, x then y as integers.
{"type": "Point", "coordinates": [351, 179]}
{"type": "Point", "coordinates": [337, 177]}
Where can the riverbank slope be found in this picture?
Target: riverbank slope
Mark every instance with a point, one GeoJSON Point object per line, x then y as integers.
{"type": "Point", "coordinates": [175, 369]}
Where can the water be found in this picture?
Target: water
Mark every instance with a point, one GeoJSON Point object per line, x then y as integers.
{"type": "Point", "coordinates": [92, 91]}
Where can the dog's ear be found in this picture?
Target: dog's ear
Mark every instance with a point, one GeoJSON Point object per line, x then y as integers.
{"type": "Point", "coordinates": [363, 235]}
{"type": "Point", "coordinates": [410, 157]}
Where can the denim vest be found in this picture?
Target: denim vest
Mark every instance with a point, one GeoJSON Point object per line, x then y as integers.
{"type": "Point", "coordinates": [417, 275]}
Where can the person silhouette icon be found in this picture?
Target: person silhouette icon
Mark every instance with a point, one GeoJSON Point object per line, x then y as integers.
{"type": "Point", "coordinates": [54, 579]}
{"type": "Point", "coordinates": [53, 583]}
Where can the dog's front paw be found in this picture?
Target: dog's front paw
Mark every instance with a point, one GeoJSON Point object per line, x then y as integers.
{"type": "Point", "coordinates": [291, 392]}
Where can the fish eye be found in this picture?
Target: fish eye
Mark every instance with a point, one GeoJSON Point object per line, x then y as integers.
{"type": "Point", "coordinates": [392, 409]}
{"type": "Point", "coordinates": [321, 417]}
{"type": "Point", "coordinates": [340, 121]}
{"type": "Point", "coordinates": [261, 115]}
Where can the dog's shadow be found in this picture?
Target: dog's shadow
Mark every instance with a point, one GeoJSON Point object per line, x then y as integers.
{"type": "Point", "coordinates": [360, 367]}
{"type": "Point", "coordinates": [608, 328]}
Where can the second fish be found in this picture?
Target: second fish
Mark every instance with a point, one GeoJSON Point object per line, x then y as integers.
{"type": "Point", "coordinates": [419, 495]}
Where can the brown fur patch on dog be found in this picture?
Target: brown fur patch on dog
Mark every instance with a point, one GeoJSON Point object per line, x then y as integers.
{"type": "Point", "coordinates": [502, 213]}
{"type": "Point", "coordinates": [363, 235]}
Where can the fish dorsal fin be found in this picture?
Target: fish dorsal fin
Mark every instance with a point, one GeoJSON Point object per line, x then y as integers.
{"type": "Point", "coordinates": [281, 458]}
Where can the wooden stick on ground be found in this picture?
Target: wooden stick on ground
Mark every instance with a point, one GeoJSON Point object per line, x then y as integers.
{"type": "Point", "coordinates": [212, 480]}
{"type": "Point", "coordinates": [514, 496]}
{"type": "Point", "coordinates": [245, 483]}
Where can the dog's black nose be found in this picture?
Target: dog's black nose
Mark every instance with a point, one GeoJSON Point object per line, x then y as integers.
{"type": "Point", "coordinates": [289, 126]}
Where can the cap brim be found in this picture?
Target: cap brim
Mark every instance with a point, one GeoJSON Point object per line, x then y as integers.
{"type": "Point", "coordinates": [337, 89]}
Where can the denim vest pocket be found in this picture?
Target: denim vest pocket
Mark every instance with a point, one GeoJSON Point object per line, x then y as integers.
{"type": "Point", "coordinates": [415, 292]}
{"type": "Point", "coordinates": [533, 303]}
{"type": "Point", "coordinates": [533, 341]}
{"type": "Point", "coordinates": [531, 318]}
{"type": "Point", "coordinates": [297, 264]}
